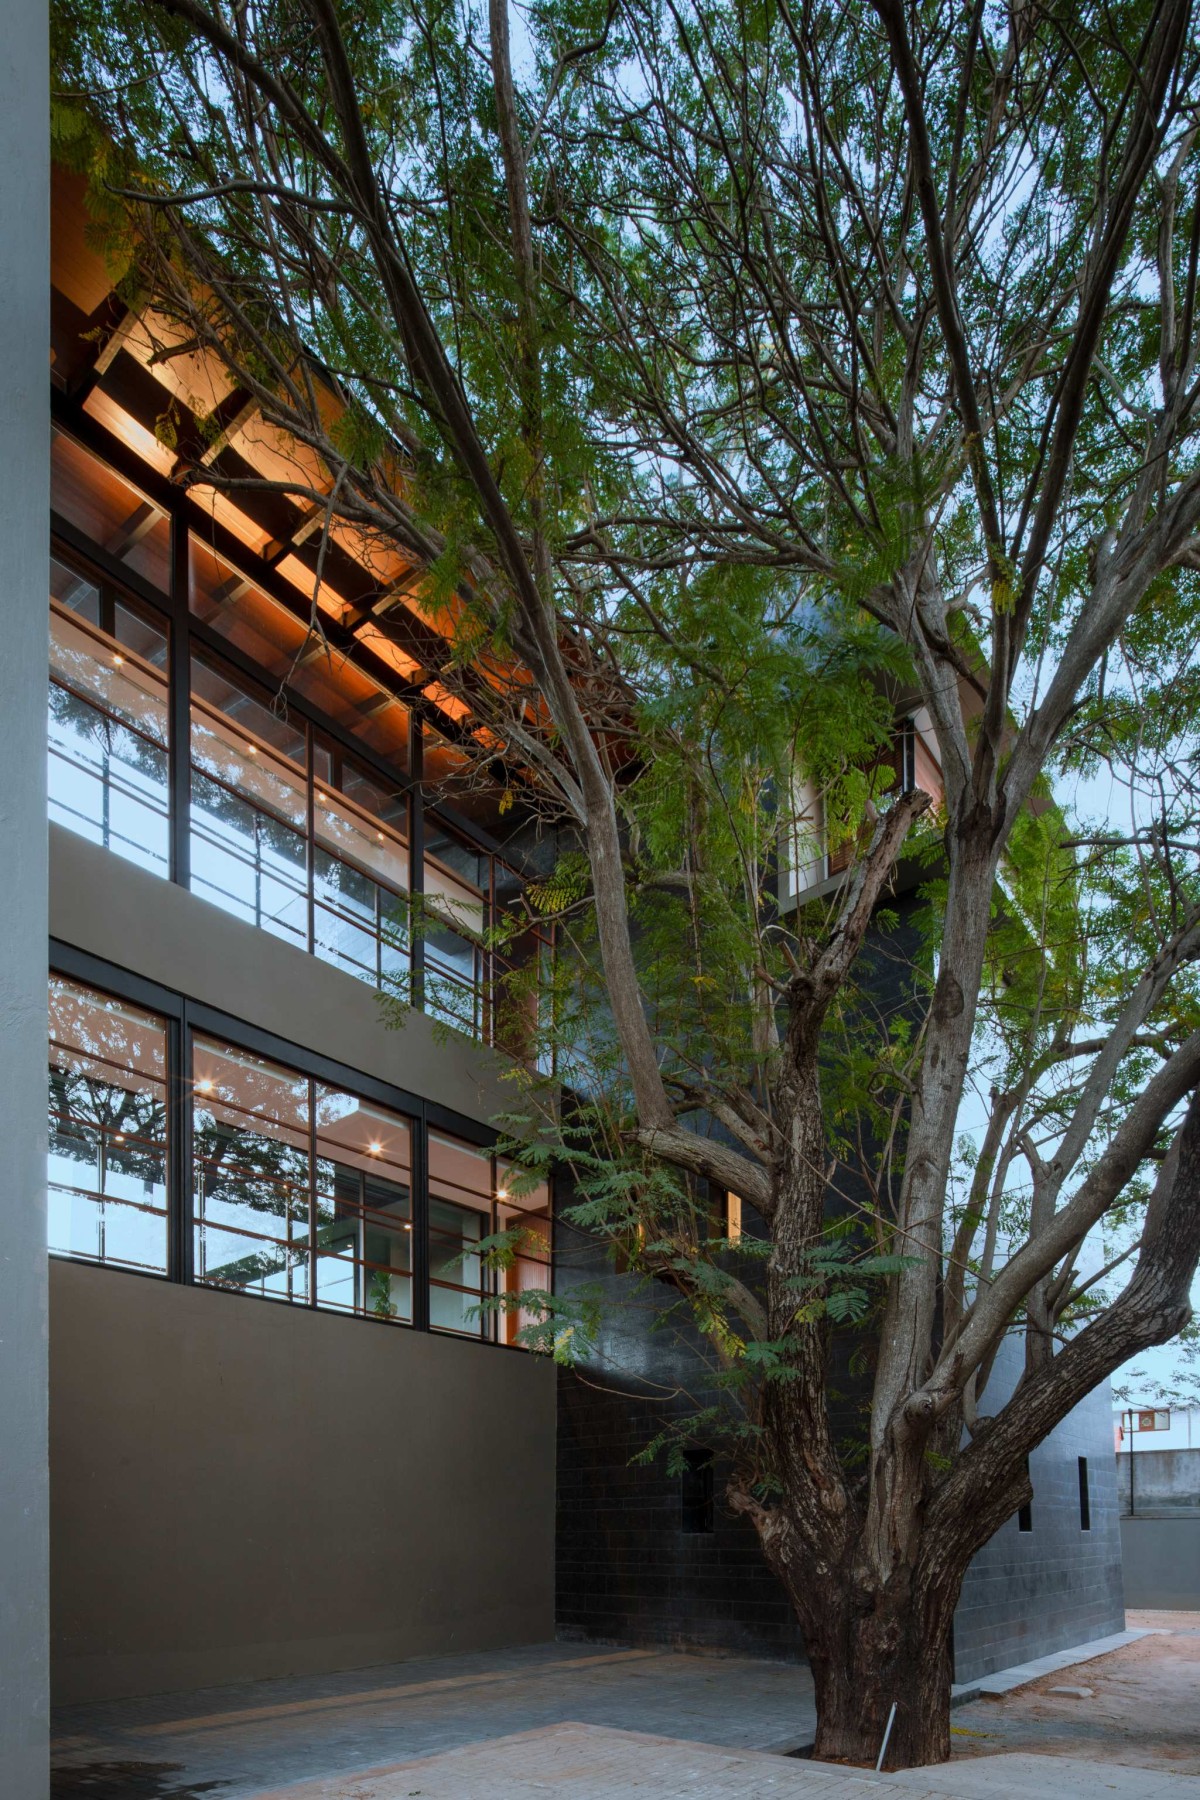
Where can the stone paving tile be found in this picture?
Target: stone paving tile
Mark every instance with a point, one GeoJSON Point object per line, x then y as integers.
{"type": "Point", "coordinates": [244, 1742]}
{"type": "Point", "coordinates": [584, 1762]}
{"type": "Point", "coordinates": [234, 1743]}
{"type": "Point", "coordinates": [587, 1762]}
{"type": "Point", "coordinates": [1033, 1777]}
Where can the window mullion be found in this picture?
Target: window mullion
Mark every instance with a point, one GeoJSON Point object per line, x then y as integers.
{"type": "Point", "coordinates": [419, 1208]}
{"type": "Point", "coordinates": [179, 702]}
{"type": "Point", "coordinates": [416, 872]}
{"type": "Point", "coordinates": [179, 1206]}
{"type": "Point", "coordinates": [312, 1192]}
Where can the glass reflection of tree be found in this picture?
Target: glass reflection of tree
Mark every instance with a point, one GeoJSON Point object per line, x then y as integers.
{"type": "Point", "coordinates": [363, 1222]}
{"type": "Point", "coordinates": [262, 1173]}
{"type": "Point", "coordinates": [118, 750]}
{"type": "Point", "coordinates": [272, 852]}
{"type": "Point", "coordinates": [104, 1116]}
{"type": "Point", "coordinates": [106, 1126]}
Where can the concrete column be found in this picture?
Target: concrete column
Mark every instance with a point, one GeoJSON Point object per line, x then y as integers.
{"type": "Point", "coordinates": [24, 506]}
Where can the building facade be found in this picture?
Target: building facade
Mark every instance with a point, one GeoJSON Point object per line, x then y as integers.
{"type": "Point", "coordinates": [287, 1434]}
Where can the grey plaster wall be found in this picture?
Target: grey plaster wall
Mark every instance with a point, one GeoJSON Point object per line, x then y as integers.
{"type": "Point", "coordinates": [100, 903]}
{"type": "Point", "coordinates": [243, 1489]}
{"type": "Point", "coordinates": [24, 503]}
{"type": "Point", "coordinates": [1150, 1481]}
{"type": "Point", "coordinates": [1162, 1562]}
{"type": "Point", "coordinates": [1030, 1593]}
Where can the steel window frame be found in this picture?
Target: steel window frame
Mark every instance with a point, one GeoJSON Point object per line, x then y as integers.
{"type": "Point", "coordinates": [183, 1018]}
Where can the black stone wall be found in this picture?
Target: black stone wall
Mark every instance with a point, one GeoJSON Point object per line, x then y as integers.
{"type": "Point", "coordinates": [627, 1572]}
{"type": "Point", "coordinates": [1029, 1593]}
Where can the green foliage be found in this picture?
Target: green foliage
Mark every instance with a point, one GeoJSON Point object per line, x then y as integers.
{"type": "Point", "coordinates": [834, 1280]}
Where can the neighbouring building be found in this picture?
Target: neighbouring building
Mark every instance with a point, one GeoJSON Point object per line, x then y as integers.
{"type": "Point", "coordinates": [283, 1437]}
{"type": "Point", "coordinates": [1158, 1491]}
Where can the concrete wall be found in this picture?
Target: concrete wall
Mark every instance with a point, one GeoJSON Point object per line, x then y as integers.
{"type": "Point", "coordinates": [100, 903]}
{"type": "Point", "coordinates": [24, 500]}
{"type": "Point", "coordinates": [1157, 1481]}
{"type": "Point", "coordinates": [243, 1489]}
{"type": "Point", "coordinates": [1030, 1593]}
{"type": "Point", "coordinates": [1162, 1562]}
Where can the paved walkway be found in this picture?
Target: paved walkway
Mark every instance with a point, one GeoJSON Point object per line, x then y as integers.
{"type": "Point", "coordinates": [587, 1762]}
{"type": "Point", "coordinates": [582, 1722]}
{"type": "Point", "coordinates": [232, 1743]}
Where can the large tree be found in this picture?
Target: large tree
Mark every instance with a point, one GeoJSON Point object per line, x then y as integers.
{"type": "Point", "coordinates": [730, 371]}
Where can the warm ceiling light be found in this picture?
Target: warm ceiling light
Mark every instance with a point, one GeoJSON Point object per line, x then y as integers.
{"type": "Point", "coordinates": [375, 1147]}
{"type": "Point", "coordinates": [502, 1193]}
{"type": "Point", "coordinates": [205, 1086]}
{"type": "Point", "coordinates": [408, 1228]}
{"type": "Point", "coordinates": [379, 835]}
{"type": "Point", "coordinates": [120, 1137]}
{"type": "Point", "coordinates": [118, 660]}
{"type": "Point", "coordinates": [320, 796]}
{"type": "Point", "coordinates": [251, 750]}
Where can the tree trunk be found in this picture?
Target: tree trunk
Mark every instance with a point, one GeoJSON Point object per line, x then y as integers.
{"type": "Point", "coordinates": [869, 1647]}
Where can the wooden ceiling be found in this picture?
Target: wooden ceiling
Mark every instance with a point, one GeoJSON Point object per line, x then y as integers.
{"type": "Point", "coordinates": [107, 361]}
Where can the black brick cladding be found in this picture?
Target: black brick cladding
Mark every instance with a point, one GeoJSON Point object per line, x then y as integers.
{"type": "Point", "coordinates": [1032, 1592]}
{"type": "Point", "coordinates": [627, 1573]}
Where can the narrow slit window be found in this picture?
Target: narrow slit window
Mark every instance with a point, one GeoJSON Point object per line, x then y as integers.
{"type": "Point", "coordinates": [696, 1494]}
{"type": "Point", "coordinates": [1085, 1499]}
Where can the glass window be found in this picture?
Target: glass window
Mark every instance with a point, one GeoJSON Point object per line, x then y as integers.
{"type": "Point", "coordinates": [460, 1216]}
{"type": "Point", "coordinates": [250, 1140]}
{"type": "Point", "coordinates": [249, 850]}
{"type": "Point", "coordinates": [110, 511]}
{"type": "Point", "coordinates": [108, 773]}
{"type": "Point", "coordinates": [457, 907]}
{"type": "Point", "coordinates": [524, 1205]}
{"type": "Point", "coordinates": [363, 1208]}
{"type": "Point", "coordinates": [360, 872]}
{"type": "Point", "coordinates": [228, 601]}
{"type": "Point", "coordinates": [108, 1130]}
{"type": "Point", "coordinates": [301, 1191]}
